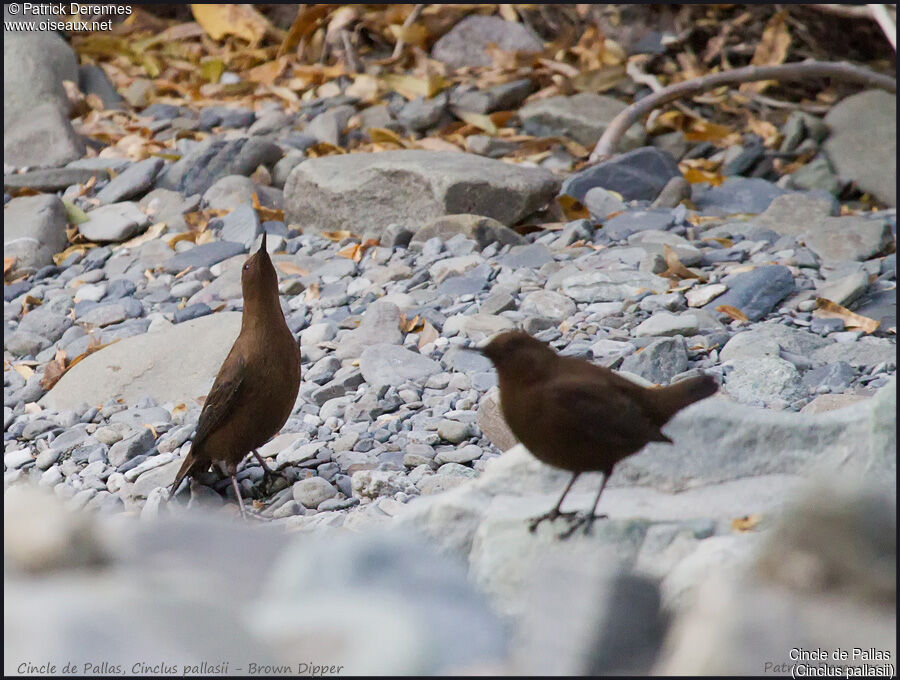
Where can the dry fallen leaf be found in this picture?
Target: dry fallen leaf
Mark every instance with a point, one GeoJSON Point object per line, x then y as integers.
{"type": "Point", "coordinates": [312, 292]}
{"type": "Point", "coordinates": [338, 235]}
{"type": "Point", "coordinates": [746, 523]}
{"type": "Point", "coordinates": [266, 214]}
{"type": "Point", "coordinates": [572, 208]}
{"type": "Point", "coordinates": [832, 310]}
{"type": "Point", "coordinates": [771, 50]}
{"type": "Point", "coordinates": [291, 268]}
{"type": "Point", "coordinates": [675, 269]}
{"type": "Point", "coordinates": [733, 312]}
{"type": "Point", "coordinates": [8, 264]}
{"type": "Point", "coordinates": [240, 20]}
{"type": "Point", "coordinates": [153, 231]}
{"type": "Point", "coordinates": [410, 325]}
{"type": "Point", "coordinates": [54, 370]}
{"type": "Point", "coordinates": [23, 370]}
{"type": "Point", "coordinates": [415, 86]}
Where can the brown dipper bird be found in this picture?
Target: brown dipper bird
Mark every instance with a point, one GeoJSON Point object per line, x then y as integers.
{"type": "Point", "coordinates": [257, 385]}
{"type": "Point", "coordinates": [577, 416]}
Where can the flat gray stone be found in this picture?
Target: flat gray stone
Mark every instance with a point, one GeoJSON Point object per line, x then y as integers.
{"type": "Point", "coordinates": [114, 222]}
{"type": "Point", "coordinates": [388, 365]}
{"type": "Point", "coordinates": [757, 292]}
{"type": "Point", "coordinates": [410, 187]}
{"type": "Point", "coordinates": [640, 174]}
{"type": "Point", "coordinates": [198, 170]}
{"type": "Point", "coordinates": [849, 238]}
{"type": "Point", "coordinates": [380, 324]}
{"type": "Point", "coordinates": [52, 179]}
{"type": "Point", "coordinates": [174, 364]}
{"type": "Point", "coordinates": [582, 117]}
{"type": "Point", "coordinates": [482, 230]}
{"type": "Point", "coordinates": [204, 255]}
{"type": "Point", "coordinates": [658, 362]}
{"type": "Point", "coordinates": [466, 43]}
{"type": "Point", "coordinates": [862, 145]}
{"type": "Point", "coordinates": [137, 179]}
{"type": "Point", "coordinates": [34, 229]}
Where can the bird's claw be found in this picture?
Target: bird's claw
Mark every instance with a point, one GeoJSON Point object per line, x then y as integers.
{"type": "Point", "coordinates": [551, 515]}
{"type": "Point", "coordinates": [585, 520]}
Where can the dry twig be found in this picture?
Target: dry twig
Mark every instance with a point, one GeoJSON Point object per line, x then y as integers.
{"type": "Point", "coordinates": [606, 145]}
{"type": "Point", "coordinates": [410, 20]}
{"type": "Point", "coordinates": [880, 14]}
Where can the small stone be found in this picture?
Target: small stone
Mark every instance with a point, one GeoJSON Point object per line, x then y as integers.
{"type": "Point", "coordinates": [665, 323]}
{"type": "Point", "coordinates": [312, 491]}
{"type": "Point", "coordinates": [113, 222]}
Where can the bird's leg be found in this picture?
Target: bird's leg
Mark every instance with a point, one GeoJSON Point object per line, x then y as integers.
{"type": "Point", "coordinates": [237, 492]}
{"type": "Point", "coordinates": [588, 520]}
{"type": "Point", "coordinates": [555, 512]}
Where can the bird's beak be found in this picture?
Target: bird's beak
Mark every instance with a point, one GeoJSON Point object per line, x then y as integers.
{"type": "Point", "coordinates": [262, 247]}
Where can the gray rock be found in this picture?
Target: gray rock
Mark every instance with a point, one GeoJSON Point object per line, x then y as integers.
{"type": "Point", "coordinates": [794, 214]}
{"type": "Point", "coordinates": [767, 340]}
{"type": "Point", "coordinates": [737, 195]}
{"type": "Point", "coordinates": [676, 190]}
{"type": "Point", "coordinates": [849, 238]}
{"type": "Point", "coordinates": [867, 351]}
{"type": "Point", "coordinates": [34, 229]}
{"type": "Point", "coordinates": [36, 128]}
{"type": "Point", "coordinates": [601, 203]}
{"type": "Point", "coordinates": [483, 230]}
{"type": "Point", "coordinates": [273, 121]}
{"type": "Point", "coordinates": [329, 126]}
{"type": "Point", "coordinates": [531, 256]}
{"type": "Point", "coordinates": [45, 322]}
{"type": "Point", "coordinates": [503, 97]}
{"type": "Point", "coordinates": [862, 145]}
{"type": "Point", "coordinates": [104, 315]}
{"type": "Point", "coordinates": [312, 491]}
{"type": "Point", "coordinates": [548, 304]}
{"type": "Point", "coordinates": [92, 79]}
{"type": "Point", "coordinates": [421, 113]}
{"type": "Point", "coordinates": [659, 362]}
{"type": "Point", "coordinates": [763, 381]}
{"type": "Point", "coordinates": [113, 222]}
{"type": "Point", "coordinates": [22, 343]}
{"type": "Point", "coordinates": [283, 168]}
{"type": "Point", "coordinates": [834, 377]}
{"type": "Point", "coordinates": [454, 432]}
{"type": "Point", "coordinates": [582, 117]}
{"type": "Point", "coordinates": [159, 476]}
{"type": "Point", "coordinates": [204, 255]}
{"type": "Point", "coordinates": [388, 365]}
{"type": "Point", "coordinates": [757, 292]}
{"type": "Point", "coordinates": [137, 179]}
{"type": "Point", "coordinates": [845, 289]}
{"type": "Point", "coordinates": [665, 323]}
{"type": "Point", "coordinates": [175, 364]}
{"type": "Point", "coordinates": [134, 445]}
{"type": "Point", "coordinates": [241, 225]}
{"type": "Point", "coordinates": [407, 186]}
{"type": "Point", "coordinates": [230, 192]}
{"type": "Point", "coordinates": [163, 205]}
{"type": "Point", "coordinates": [818, 174]}
{"type": "Point", "coordinates": [199, 169]}
{"type": "Point", "coordinates": [380, 324]}
{"type": "Point", "coordinates": [622, 226]}
{"type": "Point", "coordinates": [640, 174]}
{"type": "Point", "coordinates": [466, 43]}
{"type": "Point", "coordinates": [53, 179]}
{"type": "Point", "coordinates": [608, 286]}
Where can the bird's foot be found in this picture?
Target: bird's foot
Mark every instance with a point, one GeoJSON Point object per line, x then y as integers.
{"type": "Point", "coordinates": [582, 520]}
{"type": "Point", "coordinates": [550, 516]}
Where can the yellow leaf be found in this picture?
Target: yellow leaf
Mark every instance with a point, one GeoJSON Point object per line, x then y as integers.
{"type": "Point", "coordinates": [312, 292]}
{"type": "Point", "coordinates": [414, 34]}
{"type": "Point", "coordinates": [382, 135]}
{"type": "Point", "coordinates": [696, 175]}
{"type": "Point", "coordinates": [733, 312]}
{"type": "Point", "coordinates": [410, 325]}
{"type": "Point", "coordinates": [350, 251]}
{"type": "Point", "coordinates": [479, 120]}
{"type": "Point", "coordinates": [153, 231]}
{"type": "Point", "coordinates": [771, 50]}
{"type": "Point", "coordinates": [508, 12]}
{"type": "Point", "coordinates": [599, 79]}
{"type": "Point", "coordinates": [746, 523]}
{"type": "Point", "coordinates": [8, 264]}
{"type": "Point", "coordinates": [59, 258]}
{"type": "Point", "coordinates": [364, 87]}
{"type": "Point", "coordinates": [25, 371]}
{"type": "Point", "coordinates": [305, 23]}
{"type": "Point", "coordinates": [338, 235]}
{"type": "Point", "coordinates": [415, 86]}
{"type": "Point", "coordinates": [238, 20]}
{"type": "Point", "coordinates": [267, 72]}
{"type": "Point", "coordinates": [573, 208]}
{"type": "Point", "coordinates": [832, 310]}
{"type": "Point", "coordinates": [75, 214]}
{"type": "Point", "coordinates": [266, 214]}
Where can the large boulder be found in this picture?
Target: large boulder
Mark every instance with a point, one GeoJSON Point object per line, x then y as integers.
{"type": "Point", "coordinates": [173, 364]}
{"type": "Point", "coordinates": [466, 43]}
{"type": "Point", "coordinates": [36, 128]}
{"type": "Point", "coordinates": [34, 229]}
{"type": "Point", "coordinates": [862, 146]}
{"type": "Point", "coordinates": [371, 191]}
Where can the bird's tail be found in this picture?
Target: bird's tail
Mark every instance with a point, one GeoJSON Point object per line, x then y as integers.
{"type": "Point", "coordinates": [672, 398]}
{"type": "Point", "coordinates": [186, 469]}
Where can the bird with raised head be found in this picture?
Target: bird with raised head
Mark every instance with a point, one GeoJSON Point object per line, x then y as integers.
{"type": "Point", "coordinates": [575, 415]}
{"type": "Point", "coordinates": [256, 387]}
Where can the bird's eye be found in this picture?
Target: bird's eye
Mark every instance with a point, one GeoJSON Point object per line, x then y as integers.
{"type": "Point", "coordinates": [246, 266]}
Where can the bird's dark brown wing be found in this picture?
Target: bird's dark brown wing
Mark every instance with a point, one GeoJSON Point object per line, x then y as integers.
{"type": "Point", "coordinates": [222, 397]}
{"type": "Point", "coordinates": [607, 421]}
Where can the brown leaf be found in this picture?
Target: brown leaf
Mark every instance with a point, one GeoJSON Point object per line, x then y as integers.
{"type": "Point", "coordinates": [54, 370]}
{"type": "Point", "coordinates": [292, 268]}
{"type": "Point", "coordinates": [572, 207]}
{"type": "Point", "coordinates": [8, 264]}
{"type": "Point", "coordinates": [832, 310]}
{"type": "Point", "coordinates": [384, 135]}
{"type": "Point", "coordinates": [240, 20]}
{"type": "Point", "coordinates": [266, 214]}
{"type": "Point", "coordinates": [479, 120]}
{"type": "Point", "coordinates": [676, 270]}
{"type": "Point", "coordinates": [305, 23]}
{"type": "Point", "coordinates": [410, 325]}
{"type": "Point", "coordinates": [312, 292]}
{"type": "Point", "coordinates": [599, 79]}
{"type": "Point", "coordinates": [338, 235]}
{"type": "Point", "coordinates": [771, 50]}
{"type": "Point", "coordinates": [415, 86]}
{"type": "Point", "coordinates": [23, 370]}
{"type": "Point", "coordinates": [746, 523]}
{"type": "Point", "coordinates": [733, 312]}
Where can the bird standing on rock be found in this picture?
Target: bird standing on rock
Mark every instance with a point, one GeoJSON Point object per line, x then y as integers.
{"type": "Point", "coordinates": [575, 415]}
{"type": "Point", "coordinates": [256, 387]}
